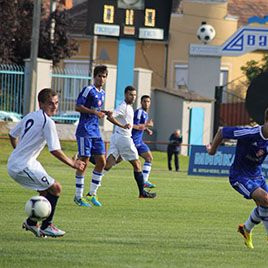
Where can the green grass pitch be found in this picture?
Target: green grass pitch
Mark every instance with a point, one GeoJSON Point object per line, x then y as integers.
{"type": "Point", "coordinates": [192, 223]}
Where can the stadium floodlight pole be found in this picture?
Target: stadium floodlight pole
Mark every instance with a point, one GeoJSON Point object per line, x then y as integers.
{"type": "Point", "coordinates": [34, 54]}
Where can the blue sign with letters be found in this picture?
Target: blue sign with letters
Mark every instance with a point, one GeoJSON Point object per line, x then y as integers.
{"type": "Point", "coordinates": [201, 163]}
{"type": "Point", "coordinates": [246, 39]}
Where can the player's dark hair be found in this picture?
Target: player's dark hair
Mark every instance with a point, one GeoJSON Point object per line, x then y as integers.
{"type": "Point", "coordinates": [145, 97]}
{"type": "Point", "coordinates": [100, 69]}
{"type": "Point", "coordinates": [129, 88]}
{"type": "Point", "coordinates": [45, 94]}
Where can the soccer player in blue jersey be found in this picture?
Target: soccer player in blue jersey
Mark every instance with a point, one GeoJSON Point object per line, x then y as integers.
{"type": "Point", "coordinates": [141, 124]}
{"type": "Point", "coordinates": [89, 141]}
{"type": "Point", "coordinates": [245, 173]}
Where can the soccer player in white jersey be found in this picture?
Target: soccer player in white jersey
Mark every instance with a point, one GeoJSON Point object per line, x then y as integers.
{"type": "Point", "coordinates": [28, 138]}
{"type": "Point", "coordinates": [245, 173]}
{"type": "Point", "coordinates": [141, 124]}
{"type": "Point", "coordinates": [122, 146]}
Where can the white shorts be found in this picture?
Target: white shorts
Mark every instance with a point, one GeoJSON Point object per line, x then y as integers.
{"type": "Point", "coordinates": [32, 177]}
{"type": "Point", "coordinates": [123, 146]}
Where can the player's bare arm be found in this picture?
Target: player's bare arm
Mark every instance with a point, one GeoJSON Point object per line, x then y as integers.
{"type": "Point", "coordinates": [13, 141]}
{"type": "Point", "coordinates": [83, 109]}
{"type": "Point", "coordinates": [145, 126]}
{"type": "Point", "coordinates": [115, 122]}
{"type": "Point", "coordinates": [265, 130]}
{"type": "Point", "coordinates": [212, 148]}
{"type": "Point", "coordinates": [76, 164]}
{"type": "Point", "coordinates": [150, 123]}
{"type": "Point", "coordinates": [108, 113]}
{"type": "Point", "coordinates": [149, 131]}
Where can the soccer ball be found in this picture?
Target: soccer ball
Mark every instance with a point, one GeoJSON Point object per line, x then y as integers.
{"type": "Point", "coordinates": [205, 33]}
{"type": "Point", "coordinates": [38, 208]}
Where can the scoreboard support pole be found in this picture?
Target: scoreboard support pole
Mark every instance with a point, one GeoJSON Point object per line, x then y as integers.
{"type": "Point", "coordinates": [125, 67]}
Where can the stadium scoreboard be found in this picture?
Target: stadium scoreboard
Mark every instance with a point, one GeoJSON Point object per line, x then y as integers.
{"type": "Point", "coordinates": [136, 19]}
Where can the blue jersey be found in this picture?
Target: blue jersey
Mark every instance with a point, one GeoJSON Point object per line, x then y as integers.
{"type": "Point", "coordinates": [140, 117]}
{"type": "Point", "coordinates": [91, 98]}
{"type": "Point", "coordinates": [251, 150]}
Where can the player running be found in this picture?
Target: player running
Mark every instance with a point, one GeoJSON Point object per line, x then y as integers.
{"type": "Point", "coordinates": [245, 173]}
{"type": "Point", "coordinates": [122, 146]}
{"type": "Point", "coordinates": [141, 124]}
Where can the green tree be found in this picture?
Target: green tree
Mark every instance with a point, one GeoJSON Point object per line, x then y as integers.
{"type": "Point", "coordinates": [8, 28]}
{"type": "Point", "coordinates": [15, 33]}
{"type": "Point", "coordinates": [253, 68]}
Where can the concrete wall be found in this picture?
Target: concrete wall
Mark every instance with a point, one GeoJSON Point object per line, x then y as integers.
{"type": "Point", "coordinates": [143, 84]}
{"type": "Point", "coordinates": [204, 75]}
{"type": "Point", "coordinates": [167, 116]}
{"type": "Point", "coordinates": [173, 112]}
{"type": "Point", "coordinates": [110, 88]}
{"type": "Point", "coordinates": [43, 75]}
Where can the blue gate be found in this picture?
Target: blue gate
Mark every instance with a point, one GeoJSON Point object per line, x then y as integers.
{"type": "Point", "coordinates": [11, 88]}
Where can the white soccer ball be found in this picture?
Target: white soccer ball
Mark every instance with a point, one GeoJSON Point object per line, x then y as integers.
{"type": "Point", "coordinates": [205, 33]}
{"type": "Point", "coordinates": [38, 208]}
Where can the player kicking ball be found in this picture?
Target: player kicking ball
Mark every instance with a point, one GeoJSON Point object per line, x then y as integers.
{"type": "Point", "coordinates": [28, 139]}
{"type": "Point", "coordinates": [245, 172]}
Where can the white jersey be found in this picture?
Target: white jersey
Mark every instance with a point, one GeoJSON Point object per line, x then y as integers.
{"type": "Point", "coordinates": [34, 131]}
{"type": "Point", "coordinates": [124, 114]}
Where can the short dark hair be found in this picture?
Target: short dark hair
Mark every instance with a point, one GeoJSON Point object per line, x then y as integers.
{"type": "Point", "coordinates": [100, 69]}
{"type": "Point", "coordinates": [45, 94]}
{"type": "Point", "coordinates": [129, 88]}
{"type": "Point", "coordinates": [145, 97]}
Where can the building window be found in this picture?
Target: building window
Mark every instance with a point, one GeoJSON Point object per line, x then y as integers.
{"type": "Point", "coordinates": [181, 73]}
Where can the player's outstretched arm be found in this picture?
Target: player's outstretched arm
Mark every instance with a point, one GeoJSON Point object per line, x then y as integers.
{"type": "Point", "coordinates": [13, 141]}
{"type": "Point", "coordinates": [150, 123]}
{"type": "Point", "coordinates": [115, 122]}
{"type": "Point", "coordinates": [74, 163]}
{"type": "Point", "coordinates": [212, 148]}
{"type": "Point", "coordinates": [83, 109]}
{"type": "Point", "coordinates": [149, 131]}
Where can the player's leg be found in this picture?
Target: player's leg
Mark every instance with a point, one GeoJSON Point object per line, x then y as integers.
{"type": "Point", "coordinates": [84, 146]}
{"type": "Point", "coordinates": [169, 156]}
{"type": "Point", "coordinates": [113, 156]}
{"type": "Point", "coordinates": [146, 154]}
{"type": "Point", "coordinates": [139, 179]}
{"type": "Point", "coordinates": [52, 195]}
{"type": "Point", "coordinates": [250, 189]}
{"type": "Point", "coordinates": [36, 178]}
{"type": "Point", "coordinates": [260, 196]}
{"type": "Point", "coordinates": [98, 150]}
{"type": "Point", "coordinates": [176, 161]}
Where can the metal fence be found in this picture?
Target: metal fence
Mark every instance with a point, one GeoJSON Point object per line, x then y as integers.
{"type": "Point", "coordinates": [229, 109]}
{"type": "Point", "coordinates": [11, 88]}
{"type": "Point", "coordinates": [68, 82]}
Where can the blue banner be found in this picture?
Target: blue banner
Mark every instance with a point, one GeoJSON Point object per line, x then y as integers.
{"type": "Point", "coordinates": [201, 163]}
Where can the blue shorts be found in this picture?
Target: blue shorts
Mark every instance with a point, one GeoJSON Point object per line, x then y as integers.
{"type": "Point", "coordinates": [142, 148]}
{"type": "Point", "coordinates": [246, 186]}
{"type": "Point", "coordinates": [90, 146]}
